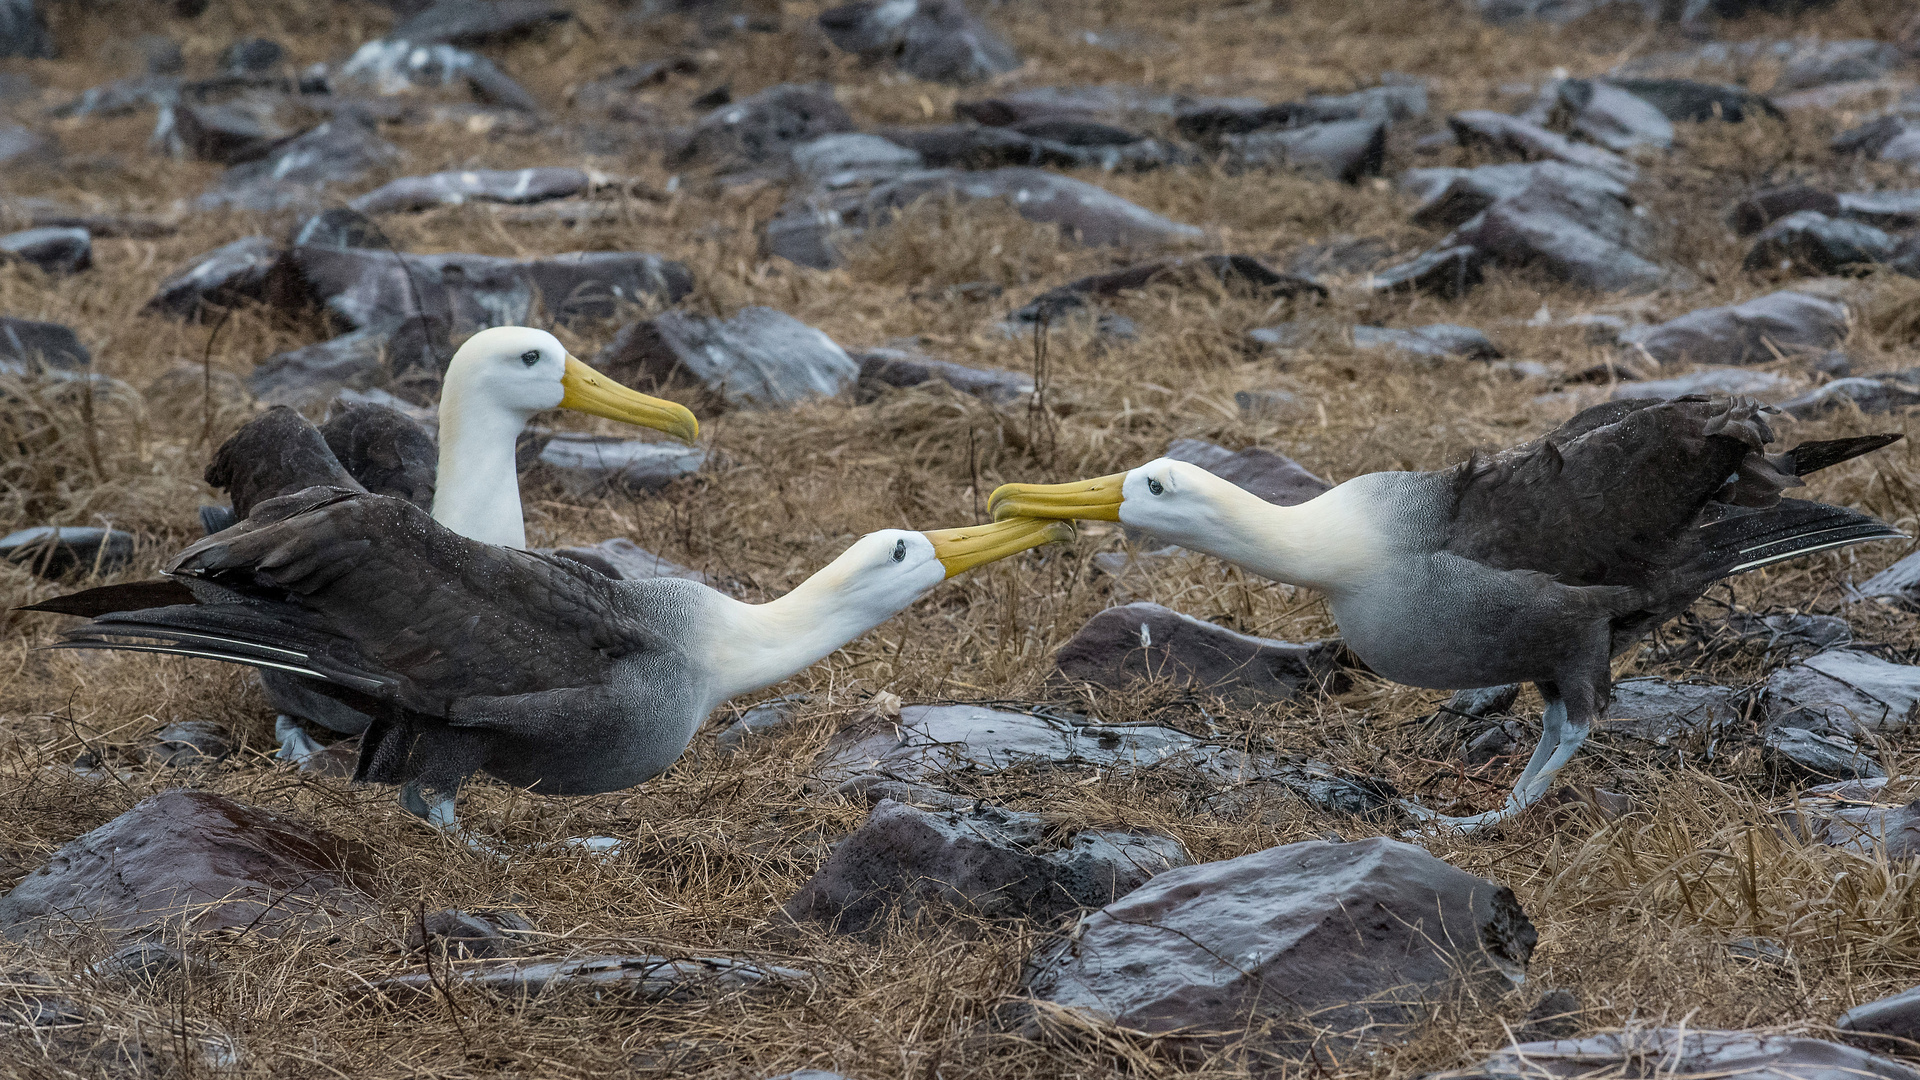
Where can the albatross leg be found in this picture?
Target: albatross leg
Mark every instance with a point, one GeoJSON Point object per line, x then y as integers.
{"type": "Point", "coordinates": [1561, 736]}
{"type": "Point", "coordinates": [295, 744]}
{"type": "Point", "coordinates": [440, 814]}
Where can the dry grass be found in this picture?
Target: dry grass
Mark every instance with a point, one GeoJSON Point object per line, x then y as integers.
{"type": "Point", "coordinates": [1634, 914]}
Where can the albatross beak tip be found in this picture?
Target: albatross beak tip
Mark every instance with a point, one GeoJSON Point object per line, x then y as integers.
{"type": "Point", "coordinates": [588, 391]}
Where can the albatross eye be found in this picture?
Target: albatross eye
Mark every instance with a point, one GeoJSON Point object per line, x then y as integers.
{"type": "Point", "coordinates": [530, 357]}
{"type": "Point", "coordinates": [899, 551]}
{"type": "Point", "coordinates": [1154, 486]}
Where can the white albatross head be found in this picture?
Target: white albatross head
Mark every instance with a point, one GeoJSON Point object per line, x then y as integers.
{"type": "Point", "coordinates": [522, 371]}
{"type": "Point", "coordinates": [1171, 499]}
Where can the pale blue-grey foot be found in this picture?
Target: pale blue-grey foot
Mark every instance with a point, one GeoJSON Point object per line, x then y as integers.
{"type": "Point", "coordinates": [295, 744]}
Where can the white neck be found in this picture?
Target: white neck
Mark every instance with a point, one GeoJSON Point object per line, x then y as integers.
{"type": "Point", "coordinates": [756, 645]}
{"type": "Point", "coordinates": [477, 491]}
{"type": "Point", "coordinates": [1329, 543]}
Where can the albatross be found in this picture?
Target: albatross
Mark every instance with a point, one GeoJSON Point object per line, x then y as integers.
{"type": "Point", "coordinates": [475, 657]}
{"type": "Point", "coordinates": [497, 381]}
{"type": "Point", "coordinates": [1535, 564]}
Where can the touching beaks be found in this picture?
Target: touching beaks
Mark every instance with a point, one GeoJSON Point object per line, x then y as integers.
{"type": "Point", "coordinates": [588, 391]}
{"type": "Point", "coordinates": [960, 550]}
{"type": "Point", "coordinates": [1097, 499]}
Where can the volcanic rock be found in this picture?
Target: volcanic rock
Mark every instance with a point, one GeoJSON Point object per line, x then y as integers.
{"type": "Point", "coordinates": [1870, 394]}
{"type": "Point", "coordinates": [196, 860]}
{"type": "Point", "coordinates": [1886, 209]}
{"type": "Point", "coordinates": [1757, 211]}
{"type": "Point", "coordinates": [27, 345]}
{"type": "Point", "coordinates": [312, 374]}
{"type": "Point", "coordinates": [1242, 272]}
{"type": "Point", "coordinates": [190, 743]}
{"type": "Point", "coordinates": [1146, 642]}
{"type": "Point", "coordinates": [293, 174]}
{"type": "Point", "coordinates": [1274, 477]}
{"type": "Point", "coordinates": [764, 127]}
{"type": "Point", "coordinates": [229, 133]}
{"type": "Point", "coordinates": [1713, 381]}
{"type": "Point", "coordinates": [897, 367]}
{"type": "Point", "coordinates": [936, 40]}
{"type": "Point", "coordinates": [1087, 213]}
{"type": "Point", "coordinates": [1344, 150]}
{"type": "Point", "coordinates": [1843, 692]}
{"type": "Point", "coordinates": [55, 551]}
{"type": "Point", "coordinates": [1659, 712]}
{"type": "Point", "coordinates": [624, 560]}
{"type": "Point", "coordinates": [1803, 755]}
{"type": "Point", "coordinates": [1725, 1055]}
{"type": "Point", "coordinates": [1888, 1025]}
{"type": "Point", "coordinates": [635, 978]}
{"type": "Point", "coordinates": [225, 277]}
{"type": "Point", "coordinates": [460, 935]}
{"type": "Point", "coordinates": [1810, 242]}
{"type": "Point", "coordinates": [23, 32]}
{"type": "Point", "coordinates": [1065, 144]}
{"type": "Point", "coordinates": [590, 465]}
{"type": "Point", "coordinates": [473, 185]}
{"type": "Point", "coordinates": [760, 719]}
{"type": "Point", "coordinates": [1837, 61]}
{"type": "Point", "coordinates": [478, 22]}
{"type": "Point", "coordinates": [1791, 322]}
{"type": "Point", "coordinates": [1573, 223]}
{"type": "Point", "coordinates": [1436, 340]}
{"type": "Point", "coordinates": [252, 56]}
{"type": "Point", "coordinates": [1449, 196]}
{"type": "Point", "coordinates": [1291, 948]}
{"type": "Point", "coordinates": [835, 161]}
{"type": "Point", "coordinates": [397, 67]}
{"type": "Point", "coordinates": [1212, 121]}
{"type": "Point", "coordinates": [23, 146]}
{"type": "Point", "coordinates": [1874, 830]}
{"type": "Point", "coordinates": [58, 251]}
{"type": "Point", "coordinates": [1697, 102]}
{"type": "Point", "coordinates": [1443, 271]}
{"type": "Point", "coordinates": [377, 289]}
{"type": "Point", "coordinates": [1600, 113]}
{"type": "Point", "coordinates": [986, 862]}
{"type": "Point", "coordinates": [759, 358]}
{"type": "Point", "coordinates": [1481, 129]}
{"type": "Point", "coordinates": [1899, 583]}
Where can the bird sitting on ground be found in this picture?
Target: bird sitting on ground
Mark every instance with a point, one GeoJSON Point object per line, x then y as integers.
{"type": "Point", "coordinates": [472, 657]}
{"type": "Point", "coordinates": [1535, 564]}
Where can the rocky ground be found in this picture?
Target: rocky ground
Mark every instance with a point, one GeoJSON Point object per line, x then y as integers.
{"type": "Point", "coordinates": [1102, 809]}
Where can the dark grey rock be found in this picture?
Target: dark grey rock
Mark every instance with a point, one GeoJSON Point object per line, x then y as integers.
{"type": "Point", "coordinates": [478, 22]}
{"type": "Point", "coordinates": [229, 133]}
{"type": "Point", "coordinates": [1882, 830]}
{"type": "Point", "coordinates": [1713, 381]}
{"type": "Point", "coordinates": [1256, 405]}
{"type": "Point", "coordinates": [1757, 211]}
{"type": "Point", "coordinates": [1888, 1025]}
{"type": "Point", "coordinates": [1870, 394]}
{"type": "Point", "coordinates": [764, 127]}
{"type": "Point", "coordinates": [1886, 209]}
{"type": "Point", "coordinates": [225, 277]}
{"type": "Point", "coordinates": [759, 358]}
{"type": "Point", "coordinates": [639, 978]}
{"type": "Point", "coordinates": [145, 964]}
{"type": "Point", "coordinates": [389, 67]}
{"type": "Point", "coordinates": [1065, 144]}
{"type": "Point", "coordinates": [1243, 272]}
{"type": "Point", "coordinates": [1211, 122]}
{"type": "Point", "coordinates": [1436, 340]}
{"type": "Point", "coordinates": [624, 560]}
{"type": "Point", "coordinates": [534, 185]}
{"type": "Point", "coordinates": [1556, 1015]}
{"type": "Point", "coordinates": [936, 40]}
{"type": "Point", "coordinates": [1600, 113]}
{"type": "Point", "coordinates": [121, 97]}
{"type": "Point", "coordinates": [1482, 129]}
{"type": "Point", "coordinates": [56, 551]}
{"type": "Point", "coordinates": [851, 157]}
{"type": "Point", "coordinates": [1837, 61]}
{"type": "Point", "coordinates": [461, 935]}
{"type": "Point", "coordinates": [1300, 946]}
{"type": "Point", "coordinates": [1843, 691]}
{"type": "Point", "coordinates": [295, 172]}
{"type": "Point", "coordinates": [1575, 224]}
{"type": "Point", "coordinates": [1899, 583]}
{"type": "Point", "coordinates": [1697, 102]}
{"type": "Point", "coordinates": [27, 345]}
{"type": "Point", "coordinates": [310, 376]}
{"type": "Point", "coordinates": [377, 288]}
{"type": "Point", "coordinates": [252, 56]}
{"type": "Point", "coordinates": [897, 367]}
{"type": "Point", "coordinates": [1690, 1051]}
{"type": "Point", "coordinates": [759, 719]}
{"type": "Point", "coordinates": [25, 146]}
{"type": "Point", "coordinates": [1443, 271]}
{"type": "Point", "coordinates": [1656, 711]}
{"type": "Point", "coordinates": [1344, 150]}
{"type": "Point", "coordinates": [1449, 196]}
{"type": "Point", "coordinates": [906, 863]}
{"type": "Point", "coordinates": [1810, 242]}
{"type": "Point", "coordinates": [56, 250]}
{"type": "Point", "coordinates": [1502, 12]}
{"type": "Point", "coordinates": [1086, 213]}
{"type": "Point", "coordinates": [1274, 477]}
{"type": "Point", "coordinates": [1803, 755]}
{"type": "Point", "coordinates": [23, 32]}
{"type": "Point", "coordinates": [591, 465]}
{"type": "Point", "coordinates": [1479, 703]}
{"type": "Point", "coordinates": [1143, 642]}
{"type": "Point", "coordinates": [1791, 322]}
{"type": "Point", "coordinates": [341, 228]}
{"type": "Point", "coordinates": [196, 861]}
{"type": "Point", "coordinates": [190, 743]}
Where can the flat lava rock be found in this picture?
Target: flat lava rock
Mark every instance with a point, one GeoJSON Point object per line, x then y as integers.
{"type": "Point", "coordinates": [1289, 949]}
{"type": "Point", "coordinates": [228, 133]}
{"type": "Point", "coordinates": [1721, 382]}
{"type": "Point", "coordinates": [763, 127]}
{"type": "Point", "coordinates": [1842, 692]}
{"type": "Point", "coordinates": [1212, 122]}
{"type": "Point", "coordinates": [760, 719]}
{"type": "Point", "coordinates": [1434, 341]}
{"type": "Point", "coordinates": [1344, 150]}
{"type": "Point", "coordinates": [1601, 113]}
{"type": "Point", "coordinates": [1893, 139]}
{"type": "Point", "coordinates": [198, 861]}
{"type": "Point", "coordinates": [27, 345]}
{"type": "Point", "coordinates": [901, 368]}
{"type": "Point", "coordinates": [1791, 322]}
{"type": "Point", "coordinates": [1242, 272]}
{"type": "Point", "coordinates": [1062, 144]}
{"type": "Point", "coordinates": [1498, 133]}
{"type": "Point", "coordinates": [392, 67]}
{"type": "Point", "coordinates": [478, 22]}
{"type": "Point", "coordinates": [463, 935]}
{"type": "Point", "coordinates": [907, 864]}
{"type": "Point", "coordinates": [1801, 756]}
{"type": "Point", "coordinates": [847, 158]}
{"type": "Point", "coordinates": [620, 558]}
{"type": "Point", "coordinates": [1087, 213]}
{"type": "Point", "coordinates": [311, 375]}
{"type": "Point", "coordinates": [1697, 102]}
{"type": "Point", "coordinates": [1810, 242]}
{"type": "Point", "coordinates": [458, 186]}
{"type": "Point", "coordinates": [637, 978]}
{"type": "Point", "coordinates": [229, 275]}
{"type": "Point", "coordinates": [1657, 711]}
{"type": "Point", "coordinates": [1144, 642]}
{"type": "Point", "coordinates": [1888, 1025]}
{"type": "Point", "coordinates": [294, 173]}
{"type": "Point", "coordinates": [935, 40]}
{"type": "Point", "coordinates": [760, 358]}
{"type": "Point", "coordinates": [1725, 1055]}
{"type": "Point", "coordinates": [587, 466]}
{"type": "Point", "coordinates": [54, 552]}
{"type": "Point", "coordinates": [1898, 584]}
{"type": "Point", "coordinates": [57, 250]}
{"type": "Point", "coordinates": [21, 145]}
{"type": "Point", "coordinates": [1876, 831]}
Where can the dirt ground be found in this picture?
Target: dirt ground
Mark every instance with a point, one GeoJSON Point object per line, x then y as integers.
{"type": "Point", "coordinates": [1634, 914]}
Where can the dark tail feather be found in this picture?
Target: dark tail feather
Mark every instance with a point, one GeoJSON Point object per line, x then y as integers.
{"type": "Point", "coordinates": [1742, 542]}
{"type": "Point", "coordinates": [225, 632]}
{"type": "Point", "coordinates": [1811, 457]}
{"type": "Point", "coordinates": [107, 599]}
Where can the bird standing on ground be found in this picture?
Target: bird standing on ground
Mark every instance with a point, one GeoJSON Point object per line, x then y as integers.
{"type": "Point", "coordinates": [1536, 564]}
{"type": "Point", "coordinates": [471, 656]}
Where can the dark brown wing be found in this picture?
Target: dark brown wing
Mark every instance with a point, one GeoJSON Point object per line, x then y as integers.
{"type": "Point", "coordinates": [370, 593]}
{"type": "Point", "coordinates": [276, 453]}
{"type": "Point", "coordinates": [385, 450]}
{"type": "Point", "coordinates": [1611, 497]}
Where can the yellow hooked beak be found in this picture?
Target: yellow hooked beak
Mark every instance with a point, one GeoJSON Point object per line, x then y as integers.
{"type": "Point", "coordinates": [588, 391]}
{"type": "Point", "coordinates": [1097, 499]}
{"type": "Point", "coordinates": [960, 550]}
